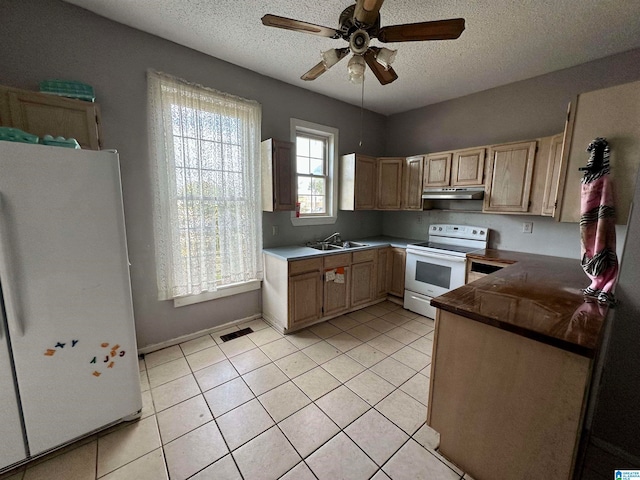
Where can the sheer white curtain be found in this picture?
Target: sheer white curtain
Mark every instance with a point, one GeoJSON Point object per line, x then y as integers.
{"type": "Point", "coordinates": [205, 157]}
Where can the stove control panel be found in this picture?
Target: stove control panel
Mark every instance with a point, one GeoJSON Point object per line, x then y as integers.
{"type": "Point", "coordinates": [459, 231]}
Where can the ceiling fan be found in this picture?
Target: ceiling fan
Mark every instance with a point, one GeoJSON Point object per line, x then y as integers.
{"type": "Point", "coordinates": [359, 24]}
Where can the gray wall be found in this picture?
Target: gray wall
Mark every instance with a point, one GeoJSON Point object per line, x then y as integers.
{"type": "Point", "coordinates": [523, 110]}
{"type": "Point", "coordinates": [44, 39]}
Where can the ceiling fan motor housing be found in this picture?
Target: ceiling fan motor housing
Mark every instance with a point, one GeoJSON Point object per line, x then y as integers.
{"type": "Point", "coordinates": [359, 42]}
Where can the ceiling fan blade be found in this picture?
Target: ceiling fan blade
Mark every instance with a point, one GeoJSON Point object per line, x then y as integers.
{"type": "Point", "coordinates": [315, 72]}
{"type": "Point", "coordinates": [299, 26]}
{"type": "Point", "coordinates": [412, 32]}
{"type": "Point", "coordinates": [366, 11]}
{"type": "Point", "coordinates": [384, 76]}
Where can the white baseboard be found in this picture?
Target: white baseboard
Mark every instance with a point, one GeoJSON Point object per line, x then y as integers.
{"type": "Point", "coordinates": [191, 336]}
{"type": "Point", "coordinates": [615, 450]}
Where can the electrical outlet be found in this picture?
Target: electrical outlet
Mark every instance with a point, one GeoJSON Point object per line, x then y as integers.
{"type": "Point", "coordinates": [419, 218]}
{"type": "Point", "coordinates": [527, 227]}
{"type": "Point", "coordinates": [274, 230]}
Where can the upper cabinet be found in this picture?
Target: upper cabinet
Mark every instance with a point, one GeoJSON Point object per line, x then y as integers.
{"type": "Point", "coordinates": [553, 175]}
{"type": "Point", "coordinates": [44, 114]}
{"type": "Point", "coordinates": [278, 176]}
{"type": "Point", "coordinates": [358, 180]}
{"type": "Point", "coordinates": [611, 113]}
{"type": "Point", "coordinates": [412, 191]}
{"type": "Point", "coordinates": [437, 169]}
{"type": "Point", "coordinates": [509, 177]}
{"type": "Point", "coordinates": [385, 183]}
{"type": "Point", "coordinates": [467, 168]}
{"type": "Point", "coordinates": [458, 168]}
{"type": "Point", "coordinates": [390, 183]}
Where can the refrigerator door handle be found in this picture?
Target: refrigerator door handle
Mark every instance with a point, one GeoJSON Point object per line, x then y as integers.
{"type": "Point", "coordinates": [13, 318]}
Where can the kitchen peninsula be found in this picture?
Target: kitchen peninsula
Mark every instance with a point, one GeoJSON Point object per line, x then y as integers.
{"type": "Point", "coordinates": [514, 352]}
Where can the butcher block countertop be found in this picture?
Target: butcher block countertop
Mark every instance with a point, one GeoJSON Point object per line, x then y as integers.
{"type": "Point", "coordinates": [536, 296]}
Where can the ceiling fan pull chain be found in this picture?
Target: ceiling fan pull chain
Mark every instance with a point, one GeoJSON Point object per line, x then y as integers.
{"type": "Point", "coordinates": [361, 111]}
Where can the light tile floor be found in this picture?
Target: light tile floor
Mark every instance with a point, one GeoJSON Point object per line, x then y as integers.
{"type": "Point", "coordinates": [345, 399]}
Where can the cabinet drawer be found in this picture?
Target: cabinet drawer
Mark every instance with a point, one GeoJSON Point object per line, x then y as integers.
{"type": "Point", "coordinates": [364, 256]}
{"type": "Point", "coordinates": [302, 266]}
{"type": "Point", "coordinates": [341, 260]}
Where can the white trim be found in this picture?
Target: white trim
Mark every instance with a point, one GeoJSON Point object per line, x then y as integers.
{"type": "Point", "coordinates": [331, 134]}
{"type": "Point", "coordinates": [191, 336]}
{"type": "Point", "coordinates": [224, 291]}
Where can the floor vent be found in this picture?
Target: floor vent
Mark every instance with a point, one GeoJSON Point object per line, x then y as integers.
{"type": "Point", "coordinates": [232, 335]}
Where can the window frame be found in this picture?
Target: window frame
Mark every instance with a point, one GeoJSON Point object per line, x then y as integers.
{"type": "Point", "coordinates": [157, 110]}
{"type": "Point", "coordinates": [331, 135]}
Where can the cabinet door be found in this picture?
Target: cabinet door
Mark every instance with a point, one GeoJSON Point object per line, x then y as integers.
{"type": "Point", "coordinates": [336, 292]}
{"type": "Point", "coordinates": [362, 284]}
{"type": "Point", "coordinates": [611, 113]}
{"type": "Point", "coordinates": [284, 178]}
{"type": "Point", "coordinates": [383, 272]}
{"type": "Point", "coordinates": [509, 174]}
{"type": "Point", "coordinates": [413, 173]}
{"type": "Point", "coordinates": [437, 169]}
{"type": "Point", "coordinates": [42, 114]}
{"type": "Point", "coordinates": [278, 176]}
{"type": "Point", "coordinates": [365, 183]}
{"type": "Point", "coordinates": [398, 257]}
{"type": "Point", "coordinates": [390, 183]}
{"type": "Point", "coordinates": [305, 298]}
{"type": "Point", "coordinates": [468, 167]}
{"type": "Point", "coordinates": [553, 175]}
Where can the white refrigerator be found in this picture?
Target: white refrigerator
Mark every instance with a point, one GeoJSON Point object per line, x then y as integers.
{"type": "Point", "coordinates": [68, 355]}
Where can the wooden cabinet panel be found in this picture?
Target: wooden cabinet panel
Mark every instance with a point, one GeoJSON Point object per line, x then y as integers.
{"type": "Point", "coordinates": [42, 114]}
{"type": "Point", "coordinates": [278, 176]}
{"type": "Point", "coordinates": [383, 272]}
{"type": "Point", "coordinates": [398, 258]}
{"type": "Point", "coordinates": [362, 283]}
{"type": "Point", "coordinates": [468, 167]}
{"type": "Point", "coordinates": [307, 265]}
{"type": "Point", "coordinates": [553, 175]}
{"type": "Point", "coordinates": [390, 183]}
{"type": "Point", "coordinates": [509, 177]}
{"type": "Point", "coordinates": [357, 185]}
{"type": "Point", "coordinates": [305, 298]}
{"type": "Point", "coordinates": [413, 177]}
{"type": "Point", "coordinates": [437, 169]}
{"type": "Point", "coordinates": [612, 113]}
{"type": "Point", "coordinates": [336, 289]}
{"type": "Point", "coordinates": [531, 412]}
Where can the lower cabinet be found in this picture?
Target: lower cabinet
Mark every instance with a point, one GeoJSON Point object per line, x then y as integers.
{"type": "Point", "coordinates": [299, 293]}
{"type": "Point", "coordinates": [337, 280]}
{"type": "Point", "coordinates": [363, 274]}
{"type": "Point", "coordinates": [305, 291]}
{"type": "Point", "coordinates": [383, 272]}
{"type": "Point", "coordinates": [398, 260]}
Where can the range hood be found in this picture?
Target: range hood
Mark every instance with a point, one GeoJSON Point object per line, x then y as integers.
{"type": "Point", "coordinates": [453, 193]}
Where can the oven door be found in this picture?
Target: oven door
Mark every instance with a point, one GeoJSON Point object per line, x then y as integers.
{"type": "Point", "coordinates": [433, 274]}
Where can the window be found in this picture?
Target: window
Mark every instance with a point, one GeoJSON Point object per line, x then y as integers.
{"type": "Point", "coordinates": [316, 170]}
{"type": "Point", "coordinates": [205, 147]}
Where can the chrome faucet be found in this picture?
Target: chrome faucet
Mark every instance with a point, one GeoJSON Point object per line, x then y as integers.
{"type": "Point", "coordinates": [333, 237]}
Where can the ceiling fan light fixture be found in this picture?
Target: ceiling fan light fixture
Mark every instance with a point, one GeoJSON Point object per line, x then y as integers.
{"type": "Point", "coordinates": [386, 57]}
{"type": "Point", "coordinates": [330, 57]}
{"type": "Point", "coordinates": [356, 69]}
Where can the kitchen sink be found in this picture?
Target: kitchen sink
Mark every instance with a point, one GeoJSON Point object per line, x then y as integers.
{"type": "Point", "coordinates": [336, 246]}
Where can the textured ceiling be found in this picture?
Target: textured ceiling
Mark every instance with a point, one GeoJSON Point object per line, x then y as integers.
{"type": "Point", "coordinates": [504, 41]}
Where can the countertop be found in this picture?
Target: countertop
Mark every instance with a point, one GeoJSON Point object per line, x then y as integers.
{"type": "Point", "coordinates": [294, 252]}
{"type": "Point", "coordinates": [536, 296]}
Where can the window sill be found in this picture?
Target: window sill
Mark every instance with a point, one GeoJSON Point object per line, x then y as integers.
{"type": "Point", "coordinates": [304, 221]}
{"type": "Point", "coordinates": [226, 291]}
